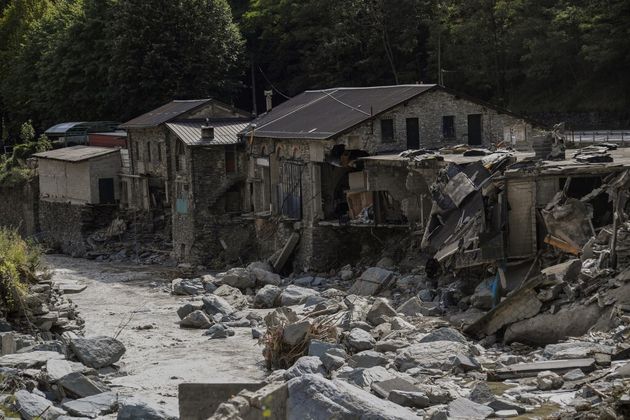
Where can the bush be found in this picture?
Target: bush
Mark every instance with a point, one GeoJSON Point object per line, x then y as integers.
{"type": "Point", "coordinates": [19, 261]}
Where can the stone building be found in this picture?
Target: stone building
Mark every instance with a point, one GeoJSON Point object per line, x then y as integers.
{"type": "Point", "coordinates": [306, 154]}
{"type": "Point", "coordinates": [148, 187]}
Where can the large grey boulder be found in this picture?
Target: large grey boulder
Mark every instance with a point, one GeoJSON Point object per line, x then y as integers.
{"type": "Point", "coordinates": [319, 348]}
{"type": "Point", "coordinates": [134, 408]}
{"type": "Point", "coordinates": [32, 406]}
{"type": "Point", "coordinates": [371, 281]}
{"type": "Point", "coordinates": [93, 406]}
{"type": "Point", "coordinates": [295, 295]}
{"type": "Point", "coordinates": [433, 355]}
{"type": "Point", "coordinates": [219, 331]}
{"type": "Point", "coordinates": [267, 297]}
{"type": "Point", "coordinates": [413, 307]}
{"type": "Point", "coordinates": [380, 312]}
{"type": "Point", "coordinates": [368, 359]}
{"type": "Point", "coordinates": [97, 352]}
{"type": "Point", "coordinates": [241, 278]}
{"type": "Point", "coordinates": [358, 340]}
{"type": "Point", "coordinates": [214, 304]}
{"type": "Point", "coordinates": [187, 287]}
{"type": "Point", "coordinates": [195, 319]}
{"type": "Point", "coordinates": [305, 365]}
{"type": "Point", "coordinates": [364, 377]}
{"type": "Point", "coordinates": [295, 333]}
{"type": "Point", "coordinates": [315, 398]}
{"type": "Point", "coordinates": [233, 296]}
{"type": "Point", "coordinates": [444, 334]}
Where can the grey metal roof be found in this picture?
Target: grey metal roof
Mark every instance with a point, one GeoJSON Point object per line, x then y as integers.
{"type": "Point", "coordinates": [226, 131]}
{"type": "Point", "coordinates": [76, 153]}
{"type": "Point", "coordinates": [321, 114]}
{"type": "Point", "coordinates": [63, 128]}
{"type": "Point", "coordinates": [164, 113]}
{"type": "Point", "coordinates": [81, 128]}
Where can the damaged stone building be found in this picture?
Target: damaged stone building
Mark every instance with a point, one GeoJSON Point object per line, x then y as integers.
{"type": "Point", "coordinates": [307, 159]}
{"type": "Point", "coordinates": [154, 151]}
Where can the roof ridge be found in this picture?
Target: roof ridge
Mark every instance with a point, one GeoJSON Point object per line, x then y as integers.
{"type": "Point", "coordinates": [371, 87]}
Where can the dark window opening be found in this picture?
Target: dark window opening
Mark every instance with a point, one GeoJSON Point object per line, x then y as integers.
{"type": "Point", "coordinates": [448, 126]}
{"type": "Point", "coordinates": [159, 153]}
{"type": "Point", "coordinates": [230, 160]}
{"type": "Point", "coordinates": [580, 187]}
{"type": "Point", "coordinates": [137, 150]}
{"type": "Point", "coordinates": [148, 151]}
{"type": "Point", "coordinates": [106, 191]}
{"type": "Point", "coordinates": [387, 130]}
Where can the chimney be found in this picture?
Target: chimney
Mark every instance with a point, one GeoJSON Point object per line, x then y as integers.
{"type": "Point", "coordinates": [268, 95]}
{"type": "Point", "coordinates": [207, 131]}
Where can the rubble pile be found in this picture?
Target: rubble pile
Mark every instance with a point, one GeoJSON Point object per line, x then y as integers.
{"type": "Point", "coordinates": [48, 370]}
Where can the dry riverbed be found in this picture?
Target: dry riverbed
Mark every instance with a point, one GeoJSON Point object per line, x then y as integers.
{"type": "Point", "coordinates": [123, 300]}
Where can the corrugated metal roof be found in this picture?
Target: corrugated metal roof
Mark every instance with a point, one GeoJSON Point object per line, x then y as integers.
{"type": "Point", "coordinates": [225, 131]}
{"type": "Point", "coordinates": [321, 114]}
{"type": "Point", "coordinates": [76, 153]}
{"type": "Point", "coordinates": [164, 113]}
{"type": "Point", "coordinates": [65, 127]}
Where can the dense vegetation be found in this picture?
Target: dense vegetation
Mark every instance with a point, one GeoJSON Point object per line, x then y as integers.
{"type": "Point", "coordinates": [19, 261]}
{"type": "Point", "coordinates": [64, 60]}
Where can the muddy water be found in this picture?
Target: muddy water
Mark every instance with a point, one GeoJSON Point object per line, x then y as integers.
{"type": "Point", "coordinates": [120, 298]}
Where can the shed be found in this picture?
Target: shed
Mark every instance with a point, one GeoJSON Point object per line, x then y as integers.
{"type": "Point", "coordinates": [79, 175]}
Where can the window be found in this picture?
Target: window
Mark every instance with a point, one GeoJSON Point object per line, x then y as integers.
{"type": "Point", "coordinates": [387, 130]}
{"type": "Point", "coordinates": [149, 151]}
{"type": "Point", "coordinates": [230, 159]}
{"type": "Point", "coordinates": [159, 153]}
{"type": "Point", "coordinates": [137, 150]}
{"type": "Point", "coordinates": [448, 127]}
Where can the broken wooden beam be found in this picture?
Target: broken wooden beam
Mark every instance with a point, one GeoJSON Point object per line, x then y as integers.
{"type": "Point", "coordinates": [523, 370]}
{"type": "Point", "coordinates": [286, 252]}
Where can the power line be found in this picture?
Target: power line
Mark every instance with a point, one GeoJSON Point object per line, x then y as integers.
{"type": "Point", "coordinates": [272, 86]}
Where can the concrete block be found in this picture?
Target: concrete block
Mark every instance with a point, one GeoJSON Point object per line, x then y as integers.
{"type": "Point", "coordinates": [200, 401]}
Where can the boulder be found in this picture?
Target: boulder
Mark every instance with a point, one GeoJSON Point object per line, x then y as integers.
{"type": "Point", "coordinates": [57, 369]}
{"type": "Point", "coordinates": [78, 385]}
{"type": "Point", "coordinates": [261, 265]}
{"type": "Point", "coordinates": [233, 296]}
{"type": "Point", "coordinates": [264, 277]}
{"type": "Point", "coordinates": [280, 316]}
{"type": "Point", "coordinates": [214, 304]}
{"type": "Point", "coordinates": [323, 399]}
{"type": "Point", "coordinates": [426, 295]}
{"type": "Point", "coordinates": [463, 408]}
{"type": "Point", "coordinates": [444, 334]}
{"type": "Point", "coordinates": [371, 281]}
{"type": "Point", "coordinates": [334, 359]}
{"type": "Point", "coordinates": [358, 339]}
{"type": "Point", "coordinates": [188, 308]}
{"type": "Point", "coordinates": [267, 297]}
{"type": "Point", "coordinates": [32, 406]}
{"type": "Point", "coordinates": [575, 350]}
{"type": "Point", "coordinates": [92, 406]}
{"type": "Point", "coordinates": [548, 380]}
{"type": "Point", "coordinates": [196, 319]}
{"type": "Point", "coordinates": [318, 348]}
{"type": "Point", "coordinates": [295, 333]}
{"type": "Point", "coordinates": [368, 359]}
{"type": "Point", "coordinates": [305, 365]}
{"type": "Point", "coordinates": [241, 278]}
{"type": "Point", "coordinates": [295, 295]}
{"type": "Point", "coordinates": [481, 393]}
{"type": "Point", "coordinates": [410, 399]}
{"type": "Point", "coordinates": [219, 331]}
{"type": "Point", "coordinates": [364, 377]}
{"type": "Point", "coordinates": [187, 287]}
{"type": "Point", "coordinates": [574, 375]}
{"type": "Point", "coordinates": [97, 352]}
{"type": "Point", "coordinates": [410, 282]}
{"type": "Point", "coordinates": [380, 312]}
{"type": "Point", "coordinates": [133, 408]}
{"type": "Point", "coordinates": [397, 323]}
{"type": "Point", "coordinates": [391, 345]}
{"type": "Point", "coordinates": [433, 355]}
{"type": "Point", "coordinates": [412, 307]}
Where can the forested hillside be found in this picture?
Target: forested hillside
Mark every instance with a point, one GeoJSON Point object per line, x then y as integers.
{"type": "Point", "coordinates": [63, 60]}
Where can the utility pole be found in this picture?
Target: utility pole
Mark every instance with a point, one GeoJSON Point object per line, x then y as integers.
{"type": "Point", "coordinates": [254, 106]}
{"type": "Point", "coordinates": [440, 81]}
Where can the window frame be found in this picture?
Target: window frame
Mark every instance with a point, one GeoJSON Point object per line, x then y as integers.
{"type": "Point", "coordinates": [390, 123]}
{"type": "Point", "coordinates": [448, 130]}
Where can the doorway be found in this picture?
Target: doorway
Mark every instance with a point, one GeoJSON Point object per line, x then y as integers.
{"type": "Point", "coordinates": [413, 134]}
{"type": "Point", "coordinates": [106, 191]}
{"type": "Point", "coordinates": [474, 129]}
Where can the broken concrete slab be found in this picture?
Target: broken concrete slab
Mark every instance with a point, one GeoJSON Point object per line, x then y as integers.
{"type": "Point", "coordinates": [380, 312]}
{"type": "Point", "coordinates": [463, 408]}
{"type": "Point", "coordinates": [433, 355]}
{"type": "Point", "coordinates": [364, 377]}
{"type": "Point", "coordinates": [523, 370]}
{"type": "Point", "coordinates": [92, 406]}
{"type": "Point", "coordinates": [409, 399]}
{"type": "Point", "coordinates": [32, 406]}
{"type": "Point", "coordinates": [57, 369]}
{"type": "Point", "coordinates": [33, 359]}
{"type": "Point", "coordinates": [371, 281]}
{"type": "Point", "coordinates": [78, 385]}
{"type": "Point", "coordinates": [69, 288]}
{"type": "Point", "coordinates": [286, 252]}
{"type": "Point", "coordinates": [383, 388]}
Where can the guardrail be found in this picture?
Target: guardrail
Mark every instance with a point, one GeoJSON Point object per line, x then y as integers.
{"type": "Point", "coordinates": [622, 137]}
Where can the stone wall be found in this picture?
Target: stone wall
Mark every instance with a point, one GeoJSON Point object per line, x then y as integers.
{"type": "Point", "coordinates": [65, 227]}
{"type": "Point", "coordinates": [19, 207]}
{"type": "Point", "coordinates": [148, 151]}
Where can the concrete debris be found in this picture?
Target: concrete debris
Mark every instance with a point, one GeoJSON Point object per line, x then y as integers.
{"type": "Point", "coordinates": [92, 406]}
{"type": "Point", "coordinates": [135, 408]}
{"type": "Point", "coordinates": [371, 281]}
{"type": "Point", "coordinates": [78, 385]}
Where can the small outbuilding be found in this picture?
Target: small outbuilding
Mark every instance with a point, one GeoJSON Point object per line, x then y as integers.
{"type": "Point", "coordinates": [79, 175]}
